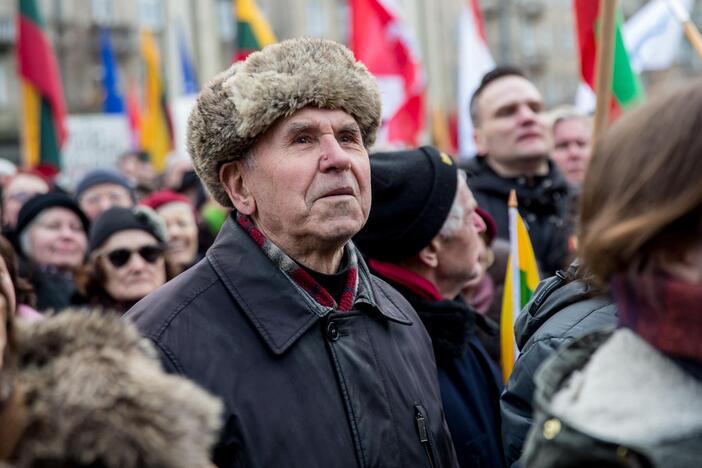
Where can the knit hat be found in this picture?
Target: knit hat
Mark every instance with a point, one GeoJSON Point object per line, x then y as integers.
{"type": "Point", "coordinates": [240, 104]}
{"type": "Point", "coordinates": [413, 192]}
{"type": "Point", "coordinates": [102, 176]}
{"type": "Point", "coordinates": [157, 199]}
{"type": "Point", "coordinates": [38, 203]}
{"type": "Point", "coordinates": [118, 219]}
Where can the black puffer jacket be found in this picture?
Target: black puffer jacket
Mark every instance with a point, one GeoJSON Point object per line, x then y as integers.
{"type": "Point", "coordinates": [561, 310]}
{"type": "Point", "coordinates": [353, 389]}
{"type": "Point", "coordinates": [544, 204]}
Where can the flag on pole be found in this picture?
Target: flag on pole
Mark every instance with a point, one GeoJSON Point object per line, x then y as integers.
{"type": "Point", "coordinates": [652, 36]}
{"type": "Point", "coordinates": [154, 130]}
{"type": "Point", "coordinates": [520, 283]}
{"type": "Point", "coordinates": [252, 30]}
{"type": "Point", "coordinates": [382, 42]}
{"type": "Point", "coordinates": [627, 89]}
{"type": "Point", "coordinates": [190, 85]}
{"type": "Point", "coordinates": [474, 60]}
{"type": "Point", "coordinates": [133, 107]}
{"type": "Point", "coordinates": [112, 100]}
{"type": "Point", "coordinates": [43, 109]}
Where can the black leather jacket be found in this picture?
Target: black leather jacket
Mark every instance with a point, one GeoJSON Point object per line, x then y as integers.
{"type": "Point", "coordinates": [354, 389]}
{"type": "Point", "coordinates": [560, 311]}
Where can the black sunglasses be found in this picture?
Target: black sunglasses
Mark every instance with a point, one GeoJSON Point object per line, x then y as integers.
{"type": "Point", "coordinates": [120, 257]}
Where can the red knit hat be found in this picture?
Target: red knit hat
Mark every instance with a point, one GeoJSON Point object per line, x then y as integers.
{"type": "Point", "coordinates": [490, 225]}
{"type": "Point", "coordinates": [157, 199]}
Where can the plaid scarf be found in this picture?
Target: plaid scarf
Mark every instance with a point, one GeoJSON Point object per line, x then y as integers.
{"type": "Point", "coordinates": [663, 311]}
{"type": "Point", "coordinates": [303, 280]}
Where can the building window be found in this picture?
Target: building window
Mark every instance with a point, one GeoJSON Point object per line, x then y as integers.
{"type": "Point", "coordinates": [226, 20]}
{"type": "Point", "coordinates": [151, 14]}
{"type": "Point", "coordinates": [102, 11]}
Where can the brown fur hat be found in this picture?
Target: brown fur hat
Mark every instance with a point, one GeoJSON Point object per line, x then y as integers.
{"type": "Point", "coordinates": [240, 104]}
{"type": "Point", "coordinates": [95, 395]}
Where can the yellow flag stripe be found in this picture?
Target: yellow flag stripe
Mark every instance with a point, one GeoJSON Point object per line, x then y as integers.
{"type": "Point", "coordinates": [155, 138]}
{"type": "Point", "coordinates": [30, 124]}
{"type": "Point", "coordinates": [246, 10]}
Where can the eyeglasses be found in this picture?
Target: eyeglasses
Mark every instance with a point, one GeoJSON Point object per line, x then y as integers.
{"type": "Point", "coordinates": [120, 257]}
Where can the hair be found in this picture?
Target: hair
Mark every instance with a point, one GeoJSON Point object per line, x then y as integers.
{"type": "Point", "coordinates": [566, 112]}
{"type": "Point", "coordinates": [641, 200]}
{"type": "Point", "coordinates": [24, 293]}
{"type": "Point", "coordinates": [496, 73]}
{"type": "Point", "coordinates": [454, 220]}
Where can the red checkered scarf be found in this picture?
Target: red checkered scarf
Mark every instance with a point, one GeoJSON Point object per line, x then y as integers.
{"type": "Point", "coordinates": [300, 277]}
{"type": "Point", "coordinates": [663, 311]}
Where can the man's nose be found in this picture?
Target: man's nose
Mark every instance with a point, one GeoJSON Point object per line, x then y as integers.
{"type": "Point", "coordinates": [333, 156]}
{"type": "Point", "coordinates": [479, 223]}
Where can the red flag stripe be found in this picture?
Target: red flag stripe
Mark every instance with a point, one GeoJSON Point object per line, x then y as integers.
{"type": "Point", "coordinates": [37, 65]}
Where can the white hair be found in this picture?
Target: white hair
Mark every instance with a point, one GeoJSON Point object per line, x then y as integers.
{"type": "Point", "coordinates": [454, 220]}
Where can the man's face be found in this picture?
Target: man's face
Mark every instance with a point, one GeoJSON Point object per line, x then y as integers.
{"type": "Point", "coordinates": [309, 183]}
{"type": "Point", "coordinates": [511, 121]}
{"type": "Point", "coordinates": [459, 254]}
{"type": "Point", "coordinates": [102, 197]}
{"type": "Point", "coordinates": [21, 188]}
{"type": "Point", "coordinates": [571, 148]}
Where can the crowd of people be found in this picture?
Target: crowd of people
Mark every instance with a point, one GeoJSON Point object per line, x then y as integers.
{"type": "Point", "coordinates": [304, 303]}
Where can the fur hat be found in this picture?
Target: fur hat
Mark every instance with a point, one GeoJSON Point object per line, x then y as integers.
{"type": "Point", "coordinates": [240, 104]}
{"type": "Point", "coordinates": [95, 395]}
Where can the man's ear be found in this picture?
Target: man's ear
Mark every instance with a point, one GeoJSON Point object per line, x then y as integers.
{"type": "Point", "coordinates": [231, 176]}
{"type": "Point", "coordinates": [480, 143]}
{"type": "Point", "coordinates": [429, 255]}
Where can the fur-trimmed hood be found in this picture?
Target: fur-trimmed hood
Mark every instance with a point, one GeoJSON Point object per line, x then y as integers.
{"type": "Point", "coordinates": [240, 104]}
{"type": "Point", "coordinates": [95, 395]}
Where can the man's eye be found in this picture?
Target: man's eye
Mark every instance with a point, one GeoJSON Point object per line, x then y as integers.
{"type": "Point", "coordinates": [302, 140]}
{"type": "Point", "coordinates": [348, 138]}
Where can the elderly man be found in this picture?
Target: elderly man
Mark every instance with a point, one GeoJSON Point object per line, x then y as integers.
{"type": "Point", "coordinates": [422, 237]}
{"type": "Point", "coordinates": [319, 363]}
{"type": "Point", "coordinates": [514, 144]}
{"type": "Point", "coordinates": [102, 189]}
{"type": "Point", "coordinates": [20, 188]}
{"type": "Point", "coordinates": [572, 131]}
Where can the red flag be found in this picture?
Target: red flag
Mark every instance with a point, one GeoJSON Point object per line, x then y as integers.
{"type": "Point", "coordinates": [381, 42]}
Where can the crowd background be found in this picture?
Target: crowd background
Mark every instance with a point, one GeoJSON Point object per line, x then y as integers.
{"type": "Point", "coordinates": [95, 241]}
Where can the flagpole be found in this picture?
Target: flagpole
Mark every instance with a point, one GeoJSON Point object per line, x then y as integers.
{"type": "Point", "coordinates": [514, 258]}
{"type": "Point", "coordinates": [604, 65]}
{"type": "Point", "coordinates": [691, 32]}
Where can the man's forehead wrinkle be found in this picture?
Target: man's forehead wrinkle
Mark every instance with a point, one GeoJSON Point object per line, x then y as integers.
{"type": "Point", "coordinates": [308, 125]}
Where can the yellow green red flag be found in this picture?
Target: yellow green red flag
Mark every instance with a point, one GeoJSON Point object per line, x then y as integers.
{"type": "Point", "coordinates": [253, 31]}
{"type": "Point", "coordinates": [520, 283]}
{"type": "Point", "coordinates": [154, 128]}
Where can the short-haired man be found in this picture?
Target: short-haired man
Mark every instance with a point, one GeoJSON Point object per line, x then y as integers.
{"type": "Point", "coordinates": [102, 189]}
{"type": "Point", "coordinates": [572, 131]}
{"type": "Point", "coordinates": [514, 144]}
{"type": "Point", "coordinates": [20, 188]}
{"type": "Point", "coordinates": [318, 363]}
{"type": "Point", "coordinates": [423, 238]}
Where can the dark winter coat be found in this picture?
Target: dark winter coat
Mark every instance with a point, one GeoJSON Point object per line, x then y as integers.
{"type": "Point", "coordinates": [354, 389]}
{"type": "Point", "coordinates": [470, 383]}
{"type": "Point", "coordinates": [560, 311]}
{"type": "Point", "coordinates": [544, 204]}
{"type": "Point", "coordinates": [611, 400]}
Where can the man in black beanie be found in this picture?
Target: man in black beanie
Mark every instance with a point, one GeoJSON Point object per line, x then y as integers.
{"type": "Point", "coordinates": [422, 238]}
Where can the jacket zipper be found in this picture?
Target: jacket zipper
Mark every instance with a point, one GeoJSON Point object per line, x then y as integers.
{"type": "Point", "coordinates": [423, 432]}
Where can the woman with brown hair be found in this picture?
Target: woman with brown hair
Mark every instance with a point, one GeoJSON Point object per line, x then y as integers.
{"type": "Point", "coordinates": [633, 396]}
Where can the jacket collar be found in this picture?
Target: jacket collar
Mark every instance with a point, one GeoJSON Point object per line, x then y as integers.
{"type": "Point", "coordinates": [269, 298]}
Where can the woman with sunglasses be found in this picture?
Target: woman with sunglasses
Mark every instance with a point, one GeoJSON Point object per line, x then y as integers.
{"type": "Point", "coordinates": [125, 258]}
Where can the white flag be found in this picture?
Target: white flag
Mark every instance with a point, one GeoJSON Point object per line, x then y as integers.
{"type": "Point", "coordinates": [473, 62]}
{"type": "Point", "coordinates": [652, 36]}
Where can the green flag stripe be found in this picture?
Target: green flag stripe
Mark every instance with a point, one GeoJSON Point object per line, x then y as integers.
{"type": "Point", "coordinates": [246, 39]}
{"type": "Point", "coordinates": [48, 143]}
{"type": "Point", "coordinates": [626, 86]}
{"type": "Point", "coordinates": [28, 9]}
{"type": "Point", "coordinates": [524, 292]}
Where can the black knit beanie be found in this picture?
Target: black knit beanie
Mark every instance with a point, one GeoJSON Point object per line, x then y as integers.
{"type": "Point", "coordinates": [413, 192]}
{"type": "Point", "coordinates": [38, 203]}
{"type": "Point", "coordinates": [118, 219]}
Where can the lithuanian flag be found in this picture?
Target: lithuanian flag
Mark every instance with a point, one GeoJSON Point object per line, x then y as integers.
{"type": "Point", "coordinates": [520, 283]}
{"type": "Point", "coordinates": [253, 31]}
{"type": "Point", "coordinates": [43, 108]}
{"type": "Point", "coordinates": [627, 89]}
{"type": "Point", "coordinates": [154, 128]}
